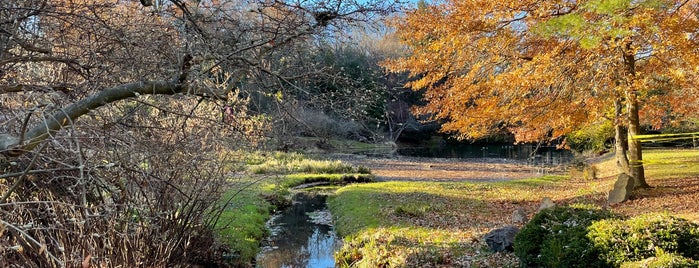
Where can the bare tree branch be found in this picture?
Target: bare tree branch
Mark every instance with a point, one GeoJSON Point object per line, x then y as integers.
{"type": "Point", "coordinates": [65, 115]}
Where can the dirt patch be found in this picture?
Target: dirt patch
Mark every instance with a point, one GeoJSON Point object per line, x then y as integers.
{"type": "Point", "coordinates": [448, 169]}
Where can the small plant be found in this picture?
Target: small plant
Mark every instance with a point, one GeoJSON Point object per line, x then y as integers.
{"type": "Point", "coordinates": [411, 210]}
{"type": "Point", "coordinates": [556, 237]}
{"type": "Point", "coordinates": [363, 170]}
{"type": "Point", "coordinates": [663, 260]}
{"type": "Point", "coordinates": [643, 237]}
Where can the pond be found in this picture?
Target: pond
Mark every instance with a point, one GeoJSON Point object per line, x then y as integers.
{"type": "Point", "coordinates": [527, 153]}
{"type": "Point", "coordinates": [301, 235]}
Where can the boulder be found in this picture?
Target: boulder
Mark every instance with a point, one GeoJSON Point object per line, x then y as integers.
{"type": "Point", "coordinates": [622, 189]}
{"type": "Point", "coordinates": [519, 216]}
{"type": "Point", "coordinates": [501, 239]}
{"type": "Point", "coordinates": [546, 203]}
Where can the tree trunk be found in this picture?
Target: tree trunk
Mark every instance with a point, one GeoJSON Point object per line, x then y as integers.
{"type": "Point", "coordinates": [634, 125]}
{"type": "Point", "coordinates": [635, 151]}
{"type": "Point", "coordinates": [620, 138]}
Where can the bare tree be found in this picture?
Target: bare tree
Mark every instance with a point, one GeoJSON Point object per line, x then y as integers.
{"type": "Point", "coordinates": [116, 118]}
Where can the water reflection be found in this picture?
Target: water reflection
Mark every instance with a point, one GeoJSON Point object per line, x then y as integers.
{"type": "Point", "coordinates": [300, 236]}
{"type": "Point", "coordinates": [546, 155]}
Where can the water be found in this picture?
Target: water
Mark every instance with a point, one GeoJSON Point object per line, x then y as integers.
{"type": "Point", "coordinates": [301, 235]}
{"type": "Point", "coordinates": [544, 155]}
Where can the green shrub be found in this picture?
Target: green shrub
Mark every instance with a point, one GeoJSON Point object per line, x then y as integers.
{"type": "Point", "coordinates": [591, 138]}
{"type": "Point", "coordinates": [556, 237]}
{"type": "Point", "coordinates": [363, 170]}
{"type": "Point", "coordinates": [663, 260]}
{"type": "Point", "coordinates": [641, 237]}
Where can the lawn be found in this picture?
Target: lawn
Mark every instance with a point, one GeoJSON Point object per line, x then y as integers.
{"type": "Point", "coordinates": [416, 224]}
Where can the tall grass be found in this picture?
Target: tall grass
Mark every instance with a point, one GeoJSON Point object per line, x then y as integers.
{"type": "Point", "coordinates": [286, 163]}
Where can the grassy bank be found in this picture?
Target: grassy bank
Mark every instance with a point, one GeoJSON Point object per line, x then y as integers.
{"type": "Point", "coordinates": [263, 184]}
{"type": "Point", "coordinates": [416, 224]}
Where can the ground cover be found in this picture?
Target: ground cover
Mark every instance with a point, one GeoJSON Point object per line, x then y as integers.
{"type": "Point", "coordinates": [425, 222]}
{"type": "Point", "coordinates": [260, 184]}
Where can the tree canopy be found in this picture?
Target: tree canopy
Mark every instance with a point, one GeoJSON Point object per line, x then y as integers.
{"type": "Point", "coordinates": [541, 69]}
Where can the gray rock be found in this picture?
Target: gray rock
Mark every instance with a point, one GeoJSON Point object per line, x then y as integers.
{"type": "Point", "coordinates": [7, 141]}
{"type": "Point", "coordinates": [622, 189]}
{"type": "Point", "coordinates": [519, 216]}
{"type": "Point", "coordinates": [546, 203]}
{"type": "Point", "coordinates": [501, 239]}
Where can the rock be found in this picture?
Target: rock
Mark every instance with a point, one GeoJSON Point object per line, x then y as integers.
{"type": "Point", "coordinates": [501, 239]}
{"type": "Point", "coordinates": [519, 216]}
{"type": "Point", "coordinates": [622, 189]}
{"type": "Point", "coordinates": [590, 172]}
{"type": "Point", "coordinates": [546, 203]}
{"type": "Point", "coordinates": [7, 141]}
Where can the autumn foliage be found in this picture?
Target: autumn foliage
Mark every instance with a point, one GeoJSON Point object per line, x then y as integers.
{"type": "Point", "coordinates": [541, 69]}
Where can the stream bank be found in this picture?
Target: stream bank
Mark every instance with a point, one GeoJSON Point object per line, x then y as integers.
{"type": "Point", "coordinates": [301, 235]}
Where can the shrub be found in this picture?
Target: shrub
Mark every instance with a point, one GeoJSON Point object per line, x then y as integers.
{"type": "Point", "coordinates": [363, 170]}
{"type": "Point", "coordinates": [642, 237]}
{"type": "Point", "coordinates": [556, 237]}
{"type": "Point", "coordinates": [591, 138]}
{"type": "Point", "coordinates": [663, 260]}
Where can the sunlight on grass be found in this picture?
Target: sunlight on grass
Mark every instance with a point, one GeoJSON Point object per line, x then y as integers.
{"type": "Point", "coordinates": [442, 223]}
{"type": "Point", "coordinates": [422, 223]}
{"type": "Point", "coordinates": [660, 163]}
{"type": "Point", "coordinates": [664, 163]}
{"type": "Point", "coordinates": [242, 223]}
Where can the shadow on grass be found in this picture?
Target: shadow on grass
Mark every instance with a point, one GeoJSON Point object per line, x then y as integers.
{"type": "Point", "coordinates": [430, 224]}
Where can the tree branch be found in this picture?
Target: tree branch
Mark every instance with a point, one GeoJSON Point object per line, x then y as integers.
{"type": "Point", "coordinates": [10, 146]}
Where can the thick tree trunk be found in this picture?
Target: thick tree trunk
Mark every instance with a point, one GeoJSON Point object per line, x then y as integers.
{"type": "Point", "coordinates": [634, 125]}
{"type": "Point", "coordinates": [620, 138]}
{"type": "Point", "coordinates": [635, 151]}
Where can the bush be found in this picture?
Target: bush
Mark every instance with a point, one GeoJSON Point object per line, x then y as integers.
{"type": "Point", "coordinates": [643, 237]}
{"type": "Point", "coordinates": [556, 237]}
{"type": "Point", "coordinates": [663, 260]}
{"type": "Point", "coordinates": [592, 138]}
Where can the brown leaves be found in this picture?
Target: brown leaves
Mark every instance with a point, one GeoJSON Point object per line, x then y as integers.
{"type": "Point", "coordinates": [487, 68]}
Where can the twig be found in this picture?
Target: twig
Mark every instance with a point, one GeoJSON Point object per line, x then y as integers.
{"type": "Point", "coordinates": [31, 239]}
{"type": "Point", "coordinates": [24, 175]}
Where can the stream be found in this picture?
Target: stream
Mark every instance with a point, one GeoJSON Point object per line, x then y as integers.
{"type": "Point", "coordinates": [301, 235]}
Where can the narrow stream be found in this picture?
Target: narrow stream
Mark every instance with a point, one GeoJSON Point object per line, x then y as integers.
{"type": "Point", "coordinates": [301, 235]}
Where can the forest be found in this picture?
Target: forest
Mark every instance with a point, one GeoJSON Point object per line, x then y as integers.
{"type": "Point", "coordinates": [172, 133]}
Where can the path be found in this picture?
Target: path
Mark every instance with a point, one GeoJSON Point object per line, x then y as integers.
{"type": "Point", "coordinates": [446, 169]}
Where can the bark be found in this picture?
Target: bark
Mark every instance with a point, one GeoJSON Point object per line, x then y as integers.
{"type": "Point", "coordinates": [13, 146]}
{"type": "Point", "coordinates": [635, 151]}
{"type": "Point", "coordinates": [620, 138]}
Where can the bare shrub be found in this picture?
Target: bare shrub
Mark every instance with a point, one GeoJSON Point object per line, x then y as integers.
{"type": "Point", "coordinates": [129, 190]}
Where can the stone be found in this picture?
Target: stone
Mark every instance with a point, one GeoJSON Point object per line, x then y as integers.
{"type": "Point", "coordinates": [519, 216]}
{"type": "Point", "coordinates": [546, 203]}
{"type": "Point", "coordinates": [501, 239]}
{"type": "Point", "coordinates": [622, 189]}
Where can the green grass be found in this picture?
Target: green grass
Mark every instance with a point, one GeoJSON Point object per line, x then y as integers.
{"type": "Point", "coordinates": [293, 180]}
{"type": "Point", "coordinates": [282, 163]}
{"type": "Point", "coordinates": [418, 224]}
{"type": "Point", "coordinates": [671, 163]}
{"type": "Point", "coordinates": [660, 163]}
{"type": "Point", "coordinates": [415, 224]}
{"type": "Point", "coordinates": [242, 223]}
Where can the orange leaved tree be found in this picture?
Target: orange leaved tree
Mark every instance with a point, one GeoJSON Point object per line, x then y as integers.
{"type": "Point", "coordinates": [542, 69]}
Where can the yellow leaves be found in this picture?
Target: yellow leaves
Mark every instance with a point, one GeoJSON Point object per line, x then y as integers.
{"type": "Point", "coordinates": [535, 85]}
